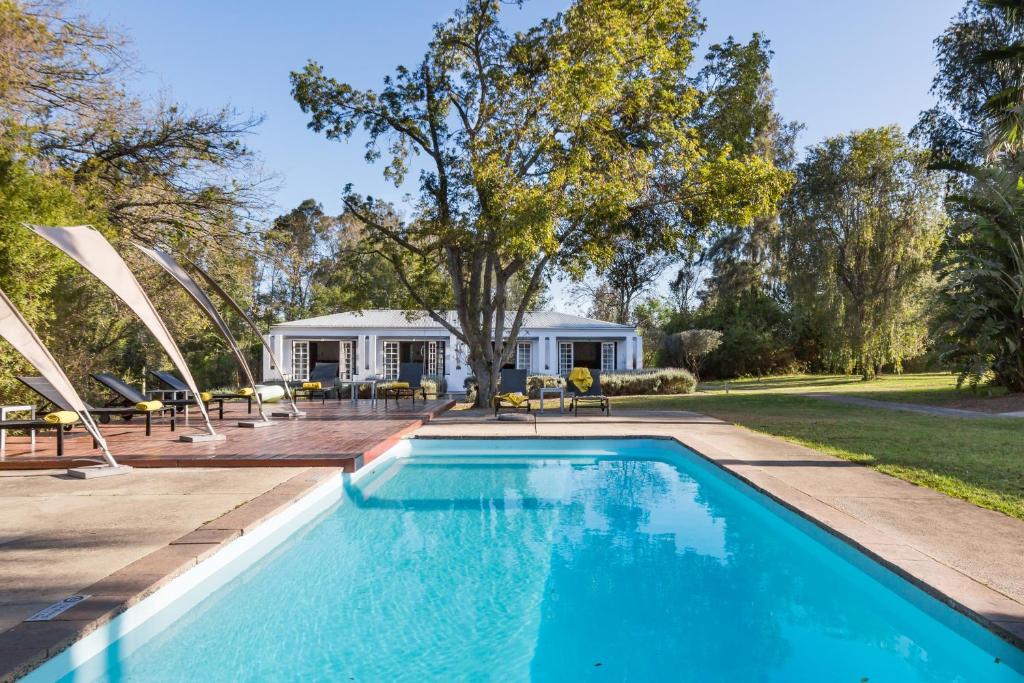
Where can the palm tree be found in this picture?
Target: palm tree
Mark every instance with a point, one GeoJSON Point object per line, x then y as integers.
{"type": "Point", "coordinates": [1005, 109]}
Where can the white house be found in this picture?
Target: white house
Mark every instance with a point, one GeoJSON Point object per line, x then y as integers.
{"type": "Point", "coordinates": [372, 344]}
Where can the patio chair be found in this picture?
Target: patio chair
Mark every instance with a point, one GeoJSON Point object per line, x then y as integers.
{"type": "Point", "coordinates": [513, 393]}
{"type": "Point", "coordinates": [61, 423]}
{"type": "Point", "coordinates": [127, 395]}
{"type": "Point", "coordinates": [179, 387]}
{"type": "Point", "coordinates": [591, 397]}
{"type": "Point", "coordinates": [42, 386]}
{"type": "Point", "coordinates": [409, 382]}
{"type": "Point", "coordinates": [320, 383]}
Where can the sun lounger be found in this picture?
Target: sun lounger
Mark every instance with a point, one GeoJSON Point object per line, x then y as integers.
{"type": "Point", "coordinates": [129, 395]}
{"type": "Point", "coordinates": [41, 386]}
{"type": "Point", "coordinates": [179, 387]}
{"type": "Point", "coordinates": [409, 382]}
{"type": "Point", "coordinates": [61, 427]}
{"type": "Point", "coordinates": [320, 383]}
{"type": "Point", "coordinates": [512, 391]}
{"type": "Point", "coordinates": [590, 397]}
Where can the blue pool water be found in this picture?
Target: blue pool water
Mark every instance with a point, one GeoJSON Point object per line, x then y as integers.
{"type": "Point", "coordinates": [627, 560]}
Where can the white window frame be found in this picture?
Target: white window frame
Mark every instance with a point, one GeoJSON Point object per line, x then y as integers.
{"type": "Point", "coordinates": [608, 356]}
{"type": "Point", "coordinates": [524, 356]}
{"type": "Point", "coordinates": [430, 358]}
{"type": "Point", "coordinates": [346, 358]}
{"type": "Point", "coordinates": [565, 360]}
{"type": "Point", "coordinates": [390, 360]}
{"type": "Point", "coordinates": [300, 360]}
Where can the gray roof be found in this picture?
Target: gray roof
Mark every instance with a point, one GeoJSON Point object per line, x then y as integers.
{"type": "Point", "coordinates": [398, 319]}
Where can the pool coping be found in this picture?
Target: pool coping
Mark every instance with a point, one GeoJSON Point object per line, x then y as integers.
{"type": "Point", "coordinates": [30, 644]}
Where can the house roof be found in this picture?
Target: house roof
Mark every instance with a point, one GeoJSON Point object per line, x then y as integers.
{"type": "Point", "coordinates": [399, 319]}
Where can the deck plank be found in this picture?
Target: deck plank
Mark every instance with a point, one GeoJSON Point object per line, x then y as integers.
{"type": "Point", "coordinates": [334, 434]}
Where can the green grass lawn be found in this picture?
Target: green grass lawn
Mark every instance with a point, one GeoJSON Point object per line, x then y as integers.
{"type": "Point", "coordinates": [981, 461]}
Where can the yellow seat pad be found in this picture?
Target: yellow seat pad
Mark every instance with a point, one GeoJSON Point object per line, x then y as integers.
{"type": "Point", "coordinates": [149, 406]}
{"type": "Point", "coordinates": [517, 399]}
{"type": "Point", "coordinates": [62, 417]}
{"type": "Point", "coordinates": [312, 385]}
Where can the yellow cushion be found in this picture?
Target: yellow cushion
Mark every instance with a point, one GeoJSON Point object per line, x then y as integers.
{"type": "Point", "coordinates": [311, 385]}
{"type": "Point", "coordinates": [398, 385]}
{"type": "Point", "coordinates": [62, 417]}
{"type": "Point", "coordinates": [245, 391]}
{"type": "Point", "coordinates": [205, 396]}
{"type": "Point", "coordinates": [149, 406]}
{"type": "Point", "coordinates": [581, 378]}
{"type": "Point", "coordinates": [517, 399]}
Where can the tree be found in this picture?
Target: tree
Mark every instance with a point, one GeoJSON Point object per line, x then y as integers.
{"type": "Point", "coordinates": [693, 347]}
{"type": "Point", "coordinates": [979, 61]}
{"type": "Point", "coordinates": [537, 146]}
{"type": "Point", "coordinates": [615, 291]}
{"type": "Point", "coordinates": [982, 273]}
{"type": "Point", "coordinates": [295, 246]}
{"type": "Point", "coordinates": [860, 231]}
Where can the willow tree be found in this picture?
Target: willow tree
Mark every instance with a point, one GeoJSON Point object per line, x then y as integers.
{"type": "Point", "coordinates": [529, 149]}
{"type": "Point", "coordinates": [860, 232]}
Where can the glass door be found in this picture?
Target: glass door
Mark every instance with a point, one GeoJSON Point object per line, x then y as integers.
{"type": "Point", "coordinates": [300, 360]}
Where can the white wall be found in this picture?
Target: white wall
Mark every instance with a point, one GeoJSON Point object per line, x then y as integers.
{"type": "Point", "coordinates": [544, 356]}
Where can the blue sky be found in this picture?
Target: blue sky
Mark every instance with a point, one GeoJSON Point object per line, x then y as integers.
{"type": "Point", "coordinates": [838, 65]}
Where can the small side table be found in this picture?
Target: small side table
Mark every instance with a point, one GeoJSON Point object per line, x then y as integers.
{"type": "Point", "coordinates": [355, 384]}
{"type": "Point", "coordinates": [553, 391]}
{"type": "Point", "coordinates": [5, 411]}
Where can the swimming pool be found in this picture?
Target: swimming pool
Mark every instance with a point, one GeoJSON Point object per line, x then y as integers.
{"type": "Point", "coordinates": [553, 560]}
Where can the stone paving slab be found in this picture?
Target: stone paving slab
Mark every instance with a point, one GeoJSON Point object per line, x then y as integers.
{"type": "Point", "coordinates": [967, 556]}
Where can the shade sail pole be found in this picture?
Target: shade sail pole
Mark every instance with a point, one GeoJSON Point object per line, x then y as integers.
{"type": "Point", "coordinates": [215, 286]}
{"type": "Point", "coordinates": [94, 253]}
{"type": "Point", "coordinates": [188, 283]}
{"type": "Point", "coordinates": [19, 334]}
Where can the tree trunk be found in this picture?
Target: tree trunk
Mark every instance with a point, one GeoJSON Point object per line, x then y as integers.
{"type": "Point", "coordinates": [487, 375]}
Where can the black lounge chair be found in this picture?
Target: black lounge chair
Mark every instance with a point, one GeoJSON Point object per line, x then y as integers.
{"type": "Point", "coordinates": [411, 374]}
{"type": "Point", "coordinates": [592, 397]}
{"type": "Point", "coordinates": [42, 386]}
{"type": "Point", "coordinates": [130, 396]}
{"type": "Point", "coordinates": [40, 424]}
{"type": "Point", "coordinates": [324, 373]}
{"type": "Point", "coordinates": [512, 382]}
{"type": "Point", "coordinates": [179, 387]}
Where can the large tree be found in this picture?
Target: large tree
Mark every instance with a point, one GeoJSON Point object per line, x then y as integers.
{"type": "Point", "coordinates": [535, 146]}
{"type": "Point", "coordinates": [860, 231]}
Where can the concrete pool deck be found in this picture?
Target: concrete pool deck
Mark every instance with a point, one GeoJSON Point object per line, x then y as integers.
{"type": "Point", "coordinates": [121, 538]}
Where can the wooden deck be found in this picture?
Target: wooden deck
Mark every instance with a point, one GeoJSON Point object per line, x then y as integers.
{"type": "Point", "coordinates": [337, 434]}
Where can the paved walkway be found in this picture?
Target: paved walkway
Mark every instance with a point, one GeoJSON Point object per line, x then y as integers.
{"type": "Point", "coordinates": [960, 552]}
{"type": "Point", "coordinates": [912, 407]}
{"type": "Point", "coordinates": [59, 535]}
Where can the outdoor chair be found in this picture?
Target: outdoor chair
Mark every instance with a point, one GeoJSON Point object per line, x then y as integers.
{"type": "Point", "coordinates": [179, 387]}
{"type": "Point", "coordinates": [591, 397]}
{"type": "Point", "coordinates": [127, 395]}
{"type": "Point", "coordinates": [512, 391]}
{"type": "Point", "coordinates": [320, 383]}
{"type": "Point", "coordinates": [409, 382]}
{"type": "Point", "coordinates": [38, 424]}
{"type": "Point", "coordinates": [42, 386]}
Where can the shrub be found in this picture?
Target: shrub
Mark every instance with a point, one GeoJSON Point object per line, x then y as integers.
{"type": "Point", "coordinates": [434, 385]}
{"type": "Point", "coordinates": [648, 381]}
{"type": "Point", "coordinates": [534, 383]}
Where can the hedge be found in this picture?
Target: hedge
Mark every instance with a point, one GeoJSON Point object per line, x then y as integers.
{"type": "Point", "coordinates": [617, 383]}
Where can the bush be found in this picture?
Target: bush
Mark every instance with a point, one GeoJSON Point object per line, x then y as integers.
{"type": "Point", "coordinates": [534, 383]}
{"type": "Point", "coordinates": [434, 385]}
{"type": "Point", "coordinates": [648, 381]}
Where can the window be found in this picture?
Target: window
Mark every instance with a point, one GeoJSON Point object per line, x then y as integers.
{"type": "Point", "coordinates": [564, 358]}
{"type": "Point", "coordinates": [607, 356]}
{"type": "Point", "coordinates": [346, 360]}
{"type": "Point", "coordinates": [523, 353]}
{"type": "Point", "coordinates": [390, 360]}
{"type": "Point", "coordinates": [300, 360]}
